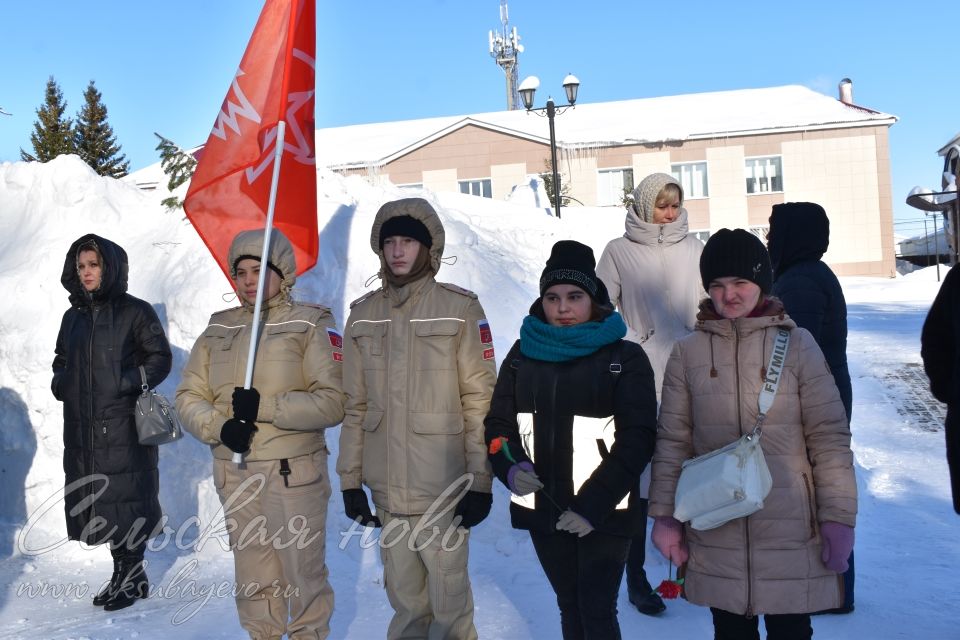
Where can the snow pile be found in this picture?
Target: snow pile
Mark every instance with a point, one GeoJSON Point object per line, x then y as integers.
{"type": "Point", "coordinates": [905, 540]}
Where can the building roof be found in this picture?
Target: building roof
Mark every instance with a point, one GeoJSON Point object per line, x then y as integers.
{"type": "Point", "coordinates": [605, 124]}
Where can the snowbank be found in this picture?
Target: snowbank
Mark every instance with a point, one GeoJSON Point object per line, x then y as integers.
{"type": "Point", "coordinates": [906, 534]}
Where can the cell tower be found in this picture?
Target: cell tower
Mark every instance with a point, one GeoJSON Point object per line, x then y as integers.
{"type": "Point", "coordinates": [505, 48]}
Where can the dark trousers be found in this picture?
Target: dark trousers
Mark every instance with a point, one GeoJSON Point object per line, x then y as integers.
{"type": "Point", "coordinates": [786, 626]}
{"type": "Point", "coordinates": [636, 574]}
{"type": "Point", "coordinates": [128, 551]}
{"type": "Point", "coordinates": [848, 580]}
{"type": "Point", "coordinates": [585, 573]}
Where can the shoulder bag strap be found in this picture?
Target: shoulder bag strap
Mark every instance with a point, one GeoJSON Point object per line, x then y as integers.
{"type": "Point", "coordinates": [144, 387]}
{"type": "Point", "coordinates": [772, 382]}
{"type": "Point", "coordinates": [615, 366]}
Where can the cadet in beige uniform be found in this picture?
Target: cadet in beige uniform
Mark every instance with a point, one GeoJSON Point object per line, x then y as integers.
{"type": "Point", "coordinates": [282, 585]}
{"type": "Point", "coordinates": [419, 372]}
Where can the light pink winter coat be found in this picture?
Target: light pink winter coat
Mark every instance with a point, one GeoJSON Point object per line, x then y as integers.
{"type": "Point", "coordinates": [770, 561]}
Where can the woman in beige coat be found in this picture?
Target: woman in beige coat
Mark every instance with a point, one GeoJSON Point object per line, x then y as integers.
{"type": "Point", "coordinates": [785, 560]}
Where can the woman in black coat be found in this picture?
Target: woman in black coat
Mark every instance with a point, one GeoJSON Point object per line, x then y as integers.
{"type": "Point", "coordinates": [112, 481]}
{"type": "Point", "coordinates": [571, 426]}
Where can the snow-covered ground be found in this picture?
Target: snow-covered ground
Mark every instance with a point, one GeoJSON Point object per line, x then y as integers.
{"type": "Point", "coordinates": [908, 549]}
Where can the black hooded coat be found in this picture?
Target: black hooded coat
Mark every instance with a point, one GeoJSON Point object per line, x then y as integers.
{"type": "Point", "coordinates": [811, 294]}
{"type": "Point", "coordinates": [940, 350]}
{"type": "Point", "coordinates": [104, 337]}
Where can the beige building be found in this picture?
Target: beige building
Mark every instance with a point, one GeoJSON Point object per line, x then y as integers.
{"type": "Point", "coordinates": [736, 153]}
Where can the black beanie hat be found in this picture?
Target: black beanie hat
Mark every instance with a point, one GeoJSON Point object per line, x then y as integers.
{"type": "Point", "coordinates": [245, 256]}
{"type": "Point", "coordinates": [736, 253]}
{"type": "Point", "coordinates": [407, 226]}
{"type": "Point", "coordinates": [571, 262]}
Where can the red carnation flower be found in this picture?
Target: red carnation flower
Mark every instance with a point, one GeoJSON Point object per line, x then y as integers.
{"type": "Point", "coordinates": [670, 589]}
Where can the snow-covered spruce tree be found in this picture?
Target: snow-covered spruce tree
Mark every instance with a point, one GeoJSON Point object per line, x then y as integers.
{"type": "Point", "coordinates": [52, 133]}
{"type": "Point", "coordinates": [178, 165]}
{"type": "Point", "coordinates": [94, 138]}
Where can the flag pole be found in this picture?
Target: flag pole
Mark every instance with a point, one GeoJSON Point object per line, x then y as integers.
{"type": "Point", "coordinates": [264, 258]}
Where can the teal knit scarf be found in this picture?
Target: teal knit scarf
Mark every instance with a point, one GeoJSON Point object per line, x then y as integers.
{"type": "Point", "coordinates": [542, 341]}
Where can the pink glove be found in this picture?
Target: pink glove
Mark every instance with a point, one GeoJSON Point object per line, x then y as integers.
{"type": "Point", "coordinates": [837, 542]}
{"type": "Point", "coordinates": [667, 536]}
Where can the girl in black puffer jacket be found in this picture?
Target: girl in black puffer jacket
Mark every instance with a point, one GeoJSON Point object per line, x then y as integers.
{"type": "Point", "coordinates": [571, 426]}
{"type": "Point", "coordinates": [112, 481]}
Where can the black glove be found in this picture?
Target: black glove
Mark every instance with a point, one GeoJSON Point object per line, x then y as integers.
{"type": "Point", "coordinates": [237, 434]}
{"type": "Point", "coordinates": [473, 508]}
{"type": "Point", "coordinates": [246, 404]}
{"type": "Point", "coordinates": [357, 508]}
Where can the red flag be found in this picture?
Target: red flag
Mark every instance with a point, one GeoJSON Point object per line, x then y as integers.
{"type": "Point", "coordinates": [230, 190]}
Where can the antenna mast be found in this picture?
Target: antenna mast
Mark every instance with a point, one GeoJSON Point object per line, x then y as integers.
{"type": "Point", "coordinates": [505, 48]}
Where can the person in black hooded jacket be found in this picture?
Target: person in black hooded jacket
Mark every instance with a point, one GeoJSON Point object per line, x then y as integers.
{"type": "Point", "coordinates": [571, 426]}
{"type": "Point", "coordinates": [939, 350]}
{"type": "Point", "coordinates": [810, 292]}
{"type": "Point", "coordinates": [112, 481]}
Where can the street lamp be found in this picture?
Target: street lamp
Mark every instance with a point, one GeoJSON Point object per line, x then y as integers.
{"type": "Point", "coordinates": [527, 89]}
{"type": "Point", "coordinates": [940, 201]}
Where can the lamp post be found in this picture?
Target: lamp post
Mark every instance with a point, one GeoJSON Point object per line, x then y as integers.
{"type": "Point", "coordinates": [940, 201]}
{"type": "Point", "coordinates": [527, 90]}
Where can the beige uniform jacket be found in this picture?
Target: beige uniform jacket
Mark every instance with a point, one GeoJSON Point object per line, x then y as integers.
{"type": "Point", "coordinates": [418, 378]}
{"type": "Point", "coordinates": [768, 562]}
{"type": "Point", "coordinates": [297, 372]}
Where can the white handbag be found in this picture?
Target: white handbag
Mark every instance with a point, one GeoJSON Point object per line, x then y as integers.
{"type": "Point", "coordinates": [732, 481]}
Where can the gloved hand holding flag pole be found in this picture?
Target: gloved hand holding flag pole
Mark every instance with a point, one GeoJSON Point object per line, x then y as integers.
{"type": "Point", "coordinates": [271, 95]}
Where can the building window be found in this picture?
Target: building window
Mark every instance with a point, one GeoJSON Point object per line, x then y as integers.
{"type": "Point", "coordinates": [416, 186]}
{"type": "Point", "coordinates": [477, 187]}
{"type": "Point", "coordinates": [612, 184]}
{"type": "Point", "coordinates": [764, 175]}
{"type": "Point", "coordinates": [692, 176]}
{"type": "Point", "coordinates": [951, 167]}
{"type": "Point", "coordinates": [761, 232]}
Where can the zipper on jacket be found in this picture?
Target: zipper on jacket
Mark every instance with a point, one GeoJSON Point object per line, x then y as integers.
{"type": "Point", "coordinates": [88, 490]}
{"type": "Point", "coordinates": [746, 523]}
{"type": "Point", "coordinates": [93, 422]}
{"type": "Point", "coordinates": [666, 290]}
{"type": "Point", "coordinates": [810, 509]}
{"type": "Point", "coordinates": [552, 445]}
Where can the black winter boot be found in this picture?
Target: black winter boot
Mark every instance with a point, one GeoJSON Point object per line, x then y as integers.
{"type": "Point", "coordinates": [107, 592]}
{"type": "Point", "coordinates": [133, 584]}
{"type": "Point", "coordinates": [643, 597]}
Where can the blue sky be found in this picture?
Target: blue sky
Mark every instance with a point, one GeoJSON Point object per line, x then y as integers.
{"type": "Point", "coordinates": [166, 66]}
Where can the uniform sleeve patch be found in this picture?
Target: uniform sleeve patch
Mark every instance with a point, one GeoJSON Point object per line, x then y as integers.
{"type": "Point", "coordinates": [336, 338]}
{"type": "Point", "coordinates": [486, 336]}
{"type": "Point", "coordinates": [338, 356]}
{"type": "Point", "coordinates": [488, 354]}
